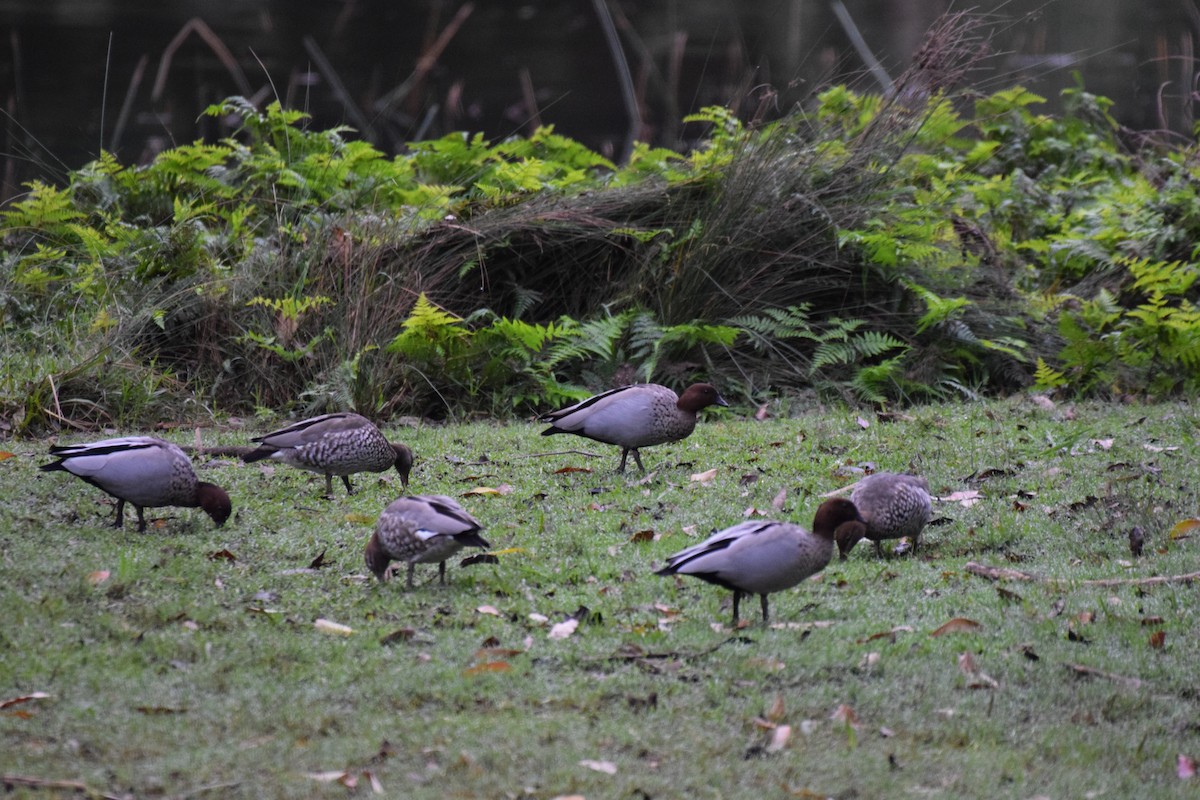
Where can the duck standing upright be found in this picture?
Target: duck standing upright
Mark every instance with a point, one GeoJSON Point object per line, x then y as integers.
{"type": "Point", "coordinates": [144, 471]}
{"type": "Point", "coordinates": [765, 557]}
{"type": "Point", "coordinates": [893, 505]}
{"type": "Point", "coordinates": [334, 444]}
{"type": "Point", "coordinates": [635, 416]}
{"type": "Point", "coordinates": [423, 529]}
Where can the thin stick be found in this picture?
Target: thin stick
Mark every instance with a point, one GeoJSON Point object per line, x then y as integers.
{"type": "Point", "coordinates": [860, 45]}
{"type": "Point", "coordinates": [201, 29]}
{"type": "Point", "coordinates": [335, 83]}
{"type": "Point", "coordinates": [530, 98]}
{"type": "Point", "coordinates": [426, 62]}
{"type": "Point", "coordinates": [104, 91]}
{"type": "Point", "coordinates": [135, 83]}
{"type": "Point", "coordinates": [42, 783]}
{"type": "Point", "coordinates": [1091, 672]}
{"type": "Point", "coordinates": [1004, 573]}
{"type": "Point", "coordinates": [560, 453]}
{"type": "Point", "coordinates": [623, 75]}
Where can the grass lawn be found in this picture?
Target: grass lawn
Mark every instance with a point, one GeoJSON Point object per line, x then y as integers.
{"type": "Point", "coordinates": [188, 662]}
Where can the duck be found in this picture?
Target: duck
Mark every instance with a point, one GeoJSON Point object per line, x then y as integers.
{"type": "Point", "coordinates": [892, 505]}
{"type": "Point", "coordinates": [763, 557]}
{"type": "Point", "coordinates": [143, 471]}
{"type": "Point", "coordinates": [635, 416]}
{"type": "Point", "coordinates": [421, 529]}
{"type": "Point", "coordinates": [334, 444]}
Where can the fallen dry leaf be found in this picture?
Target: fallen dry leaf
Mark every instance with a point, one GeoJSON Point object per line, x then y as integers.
{"type": "Point", "coordinates": [706, 476]}
{"type": "Point", "coordinates": [98, 577]}
{"type": "Point", "coordinates": [643, 536]}
{"type": "Point", "coordinates": [331, 627]}
{"type": "Point", "coordinates": [488, 666]}
{"type": "Point", "coordinates": [360, 519]}
{"type": "Point", "coordinates": [563, 629]}
{"type": "Point", "coordinates": [1185, 767]}
{"type": "Point", "coordinates": [568, 470]}
{"type": "Point", "coordinates": [5, 455]}
{"type": "Point", "coordinates": [779, 499]}
{"type": "Point", "coordinates": [1158, 640]}
{"type": "Point", "coordinates": [222, 555]}
{"type": "Point", "coordinates": [1103, 444]}
{"type": "Point", "coordinates": [502, 489]}
{"type": "Point", "coordinates": [958, 625]}
{"type": "Point", "coordinates": [495, 612]}
{"type": "Point", "coordinates": [762, 413]}
{"type": "Point", "coordinates": [863, 423]}
{"type": "Point", "coordinates": [779, 738]}
{"type": "Point", "coordinates": [25, 698]}
{"type": "Point", "coordinates": [607, 767]}
{"type": "Point", "coordinates": [845, 715]}
{"type": "Point", "coordinates": [776, 711]}
{"type": "Point", "coordinates": [966, 498]}
{"type": "Point", "coordinates": [1184, 527]}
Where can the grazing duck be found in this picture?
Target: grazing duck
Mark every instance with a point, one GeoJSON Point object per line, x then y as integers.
{"type": "Point", "coordinates": [144, 471]}
{"type": "Point", "coordinates": [423, 529]}
{"type": "Point", "coordinates": [893, 505]}
{"type": "Point", "coordinates": [765, 557]}
{"type": "Point", "coordinates": [334, 444]}
{"type": "Point", "coordinates": [635, 416]}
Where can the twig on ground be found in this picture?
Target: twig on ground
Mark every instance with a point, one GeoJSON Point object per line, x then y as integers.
{"type": "Point", "coordinates": [72, 786]}
{"type": "Point", "coordinates": [1007, 574]}
{"type": "Point", "coordinates": [1083, 671]}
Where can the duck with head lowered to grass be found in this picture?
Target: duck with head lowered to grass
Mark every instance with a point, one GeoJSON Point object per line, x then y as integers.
{"type": "Point", "coordinates": [334, 444]}
{"type": "Point", "coordinates": [765, 557]}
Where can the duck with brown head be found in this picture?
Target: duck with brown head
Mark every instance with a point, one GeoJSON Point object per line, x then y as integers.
{"type": "Point", "coordinates": [765, 557]}
{"type": "Point", "coordinates": [143, 471]}
{"type": "Point", "coordinates": [334, 444]}
{"type": "Point", "coordinates": [635, 416]}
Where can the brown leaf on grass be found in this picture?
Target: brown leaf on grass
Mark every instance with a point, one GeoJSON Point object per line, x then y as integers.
{"type": "Point", "coordinates": [779, 499]}
{"type": "Point", "coordinates": [355, 518]}
{"type": "Point", "coordinates": [495, 652]}
{"type": "Point", "coordinates": [1152, 620]}
{"type": "Point", "coordinates": [966, 498]}
{"type": "Point", "coordinates": [160, 710]}
{"type": "Point", "coordinates": [398, 635]}
{"type": "Point", "coordinates": [25, 698]}
{"type": "Point", "coordinates": [958, 625]}
{"type": "Point", "coordinates": [1158, 640]}
{"type": "Point", "coordinates": [1185, 767]}
{"type": "Point", "coordinates": [643, 536]}
{"type": "Point", "coordinates": [98, 577]}
{"type": "Point", "coordinates": [318, 562]}
{"type": "Point", "coordinates": [705, 477]}
{"type": "Point", "coordinates": [979, 679]}
{"type": "Point", "coordinates": [747, 478]}
{"type": "Point", "coordinates": [779, 738]}
{"type": "Point", "coordinates": [762, 413]}
{"type": "Point", "coordinates": [845, 715]}
{"type": "Point", "coordinates": [776, 711]}
{"type": "Point", "coordinates": [495, 612]}
{"type": "Point", "coordinates": [568, 470]}
{"type": "Point", "coordinates": [333, 628]}
{"type": "Point", "coordinates": [5, 455]}
{"type": "Point", "coordinates": [487, 666]}
{"type": "Point", "coordinates": [222, 555]}
{"type": "Point", "coordinates": [563, 629]}
{"type": "Point", "coordinates": [502, 489]}
{"type": "Point", "coordinates": [1184, 527]}
{"type": "Point", "coordinates": [1103, 444]}
{"type": "Point", "coordinates": [607, 767]}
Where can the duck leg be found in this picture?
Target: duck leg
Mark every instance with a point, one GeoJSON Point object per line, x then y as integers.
{"type": "Point", "coordinates": [763, 597]}
{"type": "Point", "coordinates": [119, 522]}
{"type": "Point", "coordinates": [141, 520]}
{"type": "Point", "coordinates": [737, 599]}
{"type": "Point", "coordinates": [411, 566]}
{"type": "Point", "coordinates": [349, 488]}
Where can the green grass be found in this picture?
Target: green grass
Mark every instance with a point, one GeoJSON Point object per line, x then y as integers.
{"type": "Point", "coordinates": [188, 672]}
